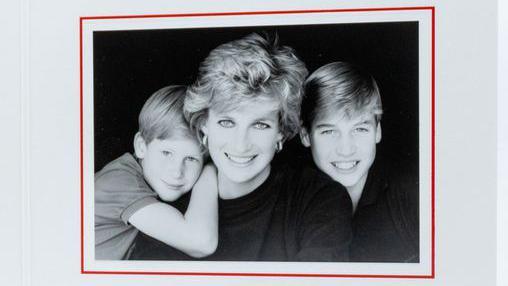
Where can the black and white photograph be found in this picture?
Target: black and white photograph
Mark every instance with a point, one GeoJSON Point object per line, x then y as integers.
{"type": "Point", "coordinates": [259, 142]}
{"type": "Point", "coordinates": [274, 143]}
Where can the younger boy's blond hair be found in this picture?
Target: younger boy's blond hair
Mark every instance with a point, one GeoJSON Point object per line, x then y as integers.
{"type": "Point", "coordinates": [162, 117]}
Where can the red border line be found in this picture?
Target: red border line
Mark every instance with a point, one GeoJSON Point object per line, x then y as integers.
{"type": "Point", "coordinates": [256, 13]}
{"type": "Point", "coordinates": [431, 8]}
{"type": "Point", "coordinates": [433, 146]}
{"type": "Point", "coordinates": [81, 135]}
{"type": "Point", "coordinates": [260, 274]}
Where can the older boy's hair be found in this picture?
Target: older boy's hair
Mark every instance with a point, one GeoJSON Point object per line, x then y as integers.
{"type": "Point", "coordinates": [340, 87]}
{"type": "Point", "coordinates": [162, 115]}
{"type": "Point", "coordinates": [252, 68]}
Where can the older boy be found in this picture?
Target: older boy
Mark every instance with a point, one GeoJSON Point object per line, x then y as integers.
{"type": "Point", "coordinates": [341, 115]}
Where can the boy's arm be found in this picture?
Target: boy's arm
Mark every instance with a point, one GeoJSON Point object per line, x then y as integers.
{"type": "Point", "coordinates": [196, 232]}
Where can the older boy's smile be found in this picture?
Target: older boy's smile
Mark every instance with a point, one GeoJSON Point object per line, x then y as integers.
{"type": "Point", "coordinates": [345, 148]}
{"type": "Point", "coordinates": [345, 165]}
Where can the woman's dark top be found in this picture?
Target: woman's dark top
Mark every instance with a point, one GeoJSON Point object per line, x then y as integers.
{"type": "Point", "coordinates": [295, 215]}
{"type": "Point", "coordinates": [386, 224]}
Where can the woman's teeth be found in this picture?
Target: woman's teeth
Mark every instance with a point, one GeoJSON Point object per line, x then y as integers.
{"type": "Point", "coordinates": [240, 160]}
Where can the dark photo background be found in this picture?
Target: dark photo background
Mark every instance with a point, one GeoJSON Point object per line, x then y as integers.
{"type": "Point", "coordinates": [130, 65]}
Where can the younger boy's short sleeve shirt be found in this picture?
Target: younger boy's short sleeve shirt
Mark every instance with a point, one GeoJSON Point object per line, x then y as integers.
{"type": "Point", "coordinates": [120, 191]}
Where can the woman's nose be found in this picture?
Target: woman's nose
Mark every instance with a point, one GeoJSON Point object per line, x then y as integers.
{"type": "Point", "coordinates": [241, 141]}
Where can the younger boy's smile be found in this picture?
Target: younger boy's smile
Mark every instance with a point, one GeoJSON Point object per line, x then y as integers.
{"type": "Point", "coordinates": [174, 186]}
{"type": "Point", "coordinates": [170, 166]}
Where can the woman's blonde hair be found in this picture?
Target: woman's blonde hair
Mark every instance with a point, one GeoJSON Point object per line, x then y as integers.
{"type": "Point", "coordinates": [247, 69]}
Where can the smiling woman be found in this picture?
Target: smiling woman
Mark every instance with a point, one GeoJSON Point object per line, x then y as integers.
{"type": "Point", "coordinates": [244, 105]}
{"type": "Point", "coordinates": [242, 144]}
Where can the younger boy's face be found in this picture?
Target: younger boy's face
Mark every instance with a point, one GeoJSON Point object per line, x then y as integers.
{"type": "Point", "coordinates": [170, 166]}
{"type": "Point", "coordinates": [345, 148]}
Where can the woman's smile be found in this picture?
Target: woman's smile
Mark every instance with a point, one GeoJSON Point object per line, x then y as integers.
{"type": "Point", "coordinates": [240, 160]}
{"type": "Point", "coordinates": [242, 142]}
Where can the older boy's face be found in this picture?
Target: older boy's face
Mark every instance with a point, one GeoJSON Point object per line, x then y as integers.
{"type": "Point", "coordinates": [172, 166]}
{"type": "Point", "coordinates": [345, 148]}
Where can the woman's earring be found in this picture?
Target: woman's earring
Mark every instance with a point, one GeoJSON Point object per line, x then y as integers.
{"type": "Point", "coordinates": [205, 140]}
{"type": "Point", "coordinates": [278, 147]}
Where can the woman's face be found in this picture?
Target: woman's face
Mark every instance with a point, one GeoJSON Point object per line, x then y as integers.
{"type": "Point", "coordinates": [242, 141]}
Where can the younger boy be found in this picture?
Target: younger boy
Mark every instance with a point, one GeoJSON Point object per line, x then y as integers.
{"type": "Point", "coordinates": [167, 163]}
{"type": "Point", "coordinates": [341, 116]}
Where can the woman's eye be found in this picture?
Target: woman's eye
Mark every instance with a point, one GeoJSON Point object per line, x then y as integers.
{"type": "Point", "coordinates": [226, 123]}
{"type": "Point", "coordinates": [192, 159]}
{"type": "Point", "coordinates": [166, 153]}
{"type": "Point", "coordinates": [327, 132]}
{"type": "Point", "coordinates": [261, 125]}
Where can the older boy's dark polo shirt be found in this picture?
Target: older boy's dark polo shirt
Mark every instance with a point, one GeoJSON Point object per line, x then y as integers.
{"type": "Point", "coordinates": [385, 224]}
